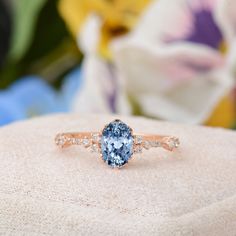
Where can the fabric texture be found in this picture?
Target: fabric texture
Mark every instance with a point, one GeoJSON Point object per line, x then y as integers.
{"type": "Point", "coordinates": [47, 191]}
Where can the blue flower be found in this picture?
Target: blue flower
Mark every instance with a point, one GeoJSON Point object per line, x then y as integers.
{"type": "Point", "coordinates": [9, 110]}
{"type": "Point", "coordinates": [69, 88]}
{"type": "Point", "coordinates": [32, 96]}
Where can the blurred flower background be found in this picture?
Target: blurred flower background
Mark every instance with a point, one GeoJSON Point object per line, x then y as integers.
{"type": "Point", "coordinates": [165, 59]}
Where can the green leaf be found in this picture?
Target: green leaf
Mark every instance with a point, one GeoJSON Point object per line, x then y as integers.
{"type": "Point", "coordinates": [25, 13]}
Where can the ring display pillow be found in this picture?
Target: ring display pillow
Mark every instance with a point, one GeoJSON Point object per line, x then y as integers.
{"type": "Point", "coordinates": [48, 191]}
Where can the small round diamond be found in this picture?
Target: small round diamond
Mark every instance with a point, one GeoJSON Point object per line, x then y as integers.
{"type": "Point", "coordinates": [173, 142]}
{"type": "Point", "coordinates": [95, 137]}
{"type": "Point", "coordinates": [94, 148]}
{"type": "Point", "coordinates": [138, 139]}
{"type": "Point", "coordinates": [85, 142]}
{"type": "Point", "coordinates": [147, 144]}
{"type": "Point", "coordinates": [77, 141]}
{"type": "Point", "coordinates": [60, 140]}
{"type": "Point", "coordinates": [138, 149]}
{"type": "Point", "coordinates": [156, 144]}
{"type": "Point", "coordinates": [116, 144]}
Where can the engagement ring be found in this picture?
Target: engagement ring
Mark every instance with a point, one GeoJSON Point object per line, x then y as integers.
{"type": "Point", "coordinates": [116, 143]}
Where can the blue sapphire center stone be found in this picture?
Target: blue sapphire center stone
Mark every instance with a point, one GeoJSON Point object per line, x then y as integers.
{"type": "Point", "coordinates": [117, 143]}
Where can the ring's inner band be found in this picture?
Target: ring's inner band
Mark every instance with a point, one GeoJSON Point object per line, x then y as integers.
{"type": "Point", "coordinates": [93, 139]}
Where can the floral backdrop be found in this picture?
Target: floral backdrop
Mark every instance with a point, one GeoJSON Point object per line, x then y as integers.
{"type": "Point", "coordinates": [164, 59]}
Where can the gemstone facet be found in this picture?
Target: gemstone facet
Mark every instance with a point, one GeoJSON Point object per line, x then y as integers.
{"type": "Point", "coordinates": [117, 143]}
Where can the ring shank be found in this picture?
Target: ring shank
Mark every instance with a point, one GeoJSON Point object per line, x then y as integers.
{"type": "Point", "coordinates": [93, 138]}
{"type": "Point", "coordinates": [167, 142]}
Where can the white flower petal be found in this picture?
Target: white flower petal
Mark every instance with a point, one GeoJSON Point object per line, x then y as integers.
{"type": "Point", "coordinates": [226, 17]}
{"type": "Point", "coordinates": [100, 88]}
{"type": "Point", "coordinates": [191, 103]}
{"type": "Point", "coordinates": [163, 67]}
{"type": "Point", "coordinates": [89, 36]}
{"type": "Point", "coordinates": [96, 86]}
{"type": "Point", "coordinates": [231, 59]}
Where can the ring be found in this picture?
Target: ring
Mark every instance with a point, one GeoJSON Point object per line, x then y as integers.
{"type": "Point", "coordinates": [116, 143]}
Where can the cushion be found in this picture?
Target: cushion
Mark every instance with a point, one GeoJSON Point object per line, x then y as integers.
{"type": "Point", "coordinates": [48, 191]}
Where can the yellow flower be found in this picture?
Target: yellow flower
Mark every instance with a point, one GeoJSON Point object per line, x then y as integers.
{"type": "Point", "coordinates": [118, 16]}
{"type": "Point", "coordinates": [224, 114]}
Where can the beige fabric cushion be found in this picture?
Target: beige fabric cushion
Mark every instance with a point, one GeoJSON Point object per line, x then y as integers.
{"type": "Point", "coordinates": [45, 191]}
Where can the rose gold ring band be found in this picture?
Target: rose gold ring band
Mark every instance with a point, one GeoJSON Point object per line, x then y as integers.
{"type": "Point", "coordinates": [116, 143]}
{"type": "Point", "coordinates": [92, 140]}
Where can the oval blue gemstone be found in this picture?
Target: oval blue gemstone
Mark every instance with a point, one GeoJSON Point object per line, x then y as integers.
{"type": "Point", "coordinates": [116, 143]}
